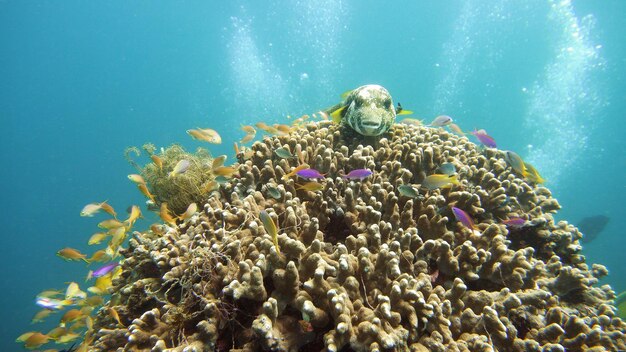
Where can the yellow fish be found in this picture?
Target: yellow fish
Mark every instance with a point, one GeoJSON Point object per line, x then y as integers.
{"type": "Point", "coordinates": [33, 339]}
{"type": "Point", "coordinates": [138, 179]}
{"type": "Point", "coordinates": [247, 138]}
{"type": "Point", "coordinates": [114, 315]}
{"type": "Point", "coordinates": [439, 181]}
{"type": "Point", "coordinates": [191, 209]}
{"type": "Point", "coordinates": [110, 224]}
{"type": "Point", "coordinates": [135, 213]}
{"type": "Point", "coordinates": [166, 215]}
{"type": "Point", "coordinates": [68, 253]}
{"type": "Point", "coordinates": [224, 171]}
{"type": "Point", "coordinates": [41, 315]}
{"type": "Point", "coordinates": [311, 186]}
{"type": "Point", "coordinates": [295, 170]}
{"type": "Point", "coordinates": [218, 161]}
{"type": "Point", "coordinates": [533, 175]}
{"type": "Point", "coordinates": [270, 228]}
{"type": "Point", "coordinates": [205, 134]}
{"type": "Point", "coordinates": [144, 190]}
{"type": "Point", "coordinates": [96, 238]}
{"type": "Point", "coordinates": [157, 161]}
{"type": "Point", "coordinates": [99, 256]}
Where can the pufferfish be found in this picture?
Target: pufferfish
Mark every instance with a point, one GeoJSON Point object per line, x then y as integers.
{"type": "Point", "coordinates": [369, 110]}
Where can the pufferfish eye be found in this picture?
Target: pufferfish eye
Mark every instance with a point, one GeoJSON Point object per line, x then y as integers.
{"type": "Point", "coordinates": [387, 103]}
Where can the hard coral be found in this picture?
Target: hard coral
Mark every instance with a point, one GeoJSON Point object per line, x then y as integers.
{"type": "Point", "coordinates": [362, 266]}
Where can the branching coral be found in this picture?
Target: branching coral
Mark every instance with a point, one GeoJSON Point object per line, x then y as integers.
{"type": "Point", "coordinates": [362, 266]}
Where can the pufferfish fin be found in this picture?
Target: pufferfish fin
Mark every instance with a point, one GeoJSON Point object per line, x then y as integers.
{"type": "Point", "coordinates": [336, 115]}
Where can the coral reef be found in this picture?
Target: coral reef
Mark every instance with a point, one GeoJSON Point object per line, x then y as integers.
{"type": "Point", "coordinates": [360, 266]}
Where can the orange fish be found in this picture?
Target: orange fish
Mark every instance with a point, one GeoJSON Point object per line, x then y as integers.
{"type": "Point", "coordinates": [295, 170]}
{"type": "Point", "coordinates": [166, 215]}
{"type": "Point", "coordinates": [157, 161]}
{"type": "Point", "coordinates": [68, 253]}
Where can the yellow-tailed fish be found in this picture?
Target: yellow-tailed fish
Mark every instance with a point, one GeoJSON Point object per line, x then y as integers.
{"type": "Point", "coordinates": [74, 291]}
{"type": "Point", "coordinates": [96, 238]}
{"type": "Point", "coordinates": [439, 181]}
{"type": "Point", "coordinates": [68, 253]}
{"type": "Point", "coordinates": [117, 238]}
{"type": "Point", "coordinates": [56, 332]}
{"type": "Point", "coordinates": [247, 138]}
{"type": "Point", "coordinates": [69, 337]}
{"type": "Point", "coordinates": [157, 161]}
{"type": "Point", "coordinates": [311, 186]}
{"type": "Point", "coordinates": [108, 208]}
{"type": "Point", "coordinates": [166, 215]}
{"type": "Point", "coordinates": [516, 162]}
{"type": "Point", "coordinates": [295, 170]}
{"type": "Point", "coordinates": [191, 209]}
{"type": "Point", "coordinates": [182, 166]}
{"type": "Point", "coordinates": [102, 286]}
{"type": "Point", "coordinates": [270, 228]}
{"type": "Point", "coordinates": [533, 175]}
{"type": "Point", "coordinates": [138, 179]}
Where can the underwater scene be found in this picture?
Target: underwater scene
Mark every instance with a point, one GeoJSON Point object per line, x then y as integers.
{"type": "Point", "coordinates": [319, 175]}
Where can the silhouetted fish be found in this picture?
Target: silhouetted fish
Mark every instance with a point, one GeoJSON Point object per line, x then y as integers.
{"type": "Point", "coordinates": [592, 226]}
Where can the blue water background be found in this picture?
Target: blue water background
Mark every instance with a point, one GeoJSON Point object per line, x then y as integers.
{"type": "Point", "coordinates": [81, 81]}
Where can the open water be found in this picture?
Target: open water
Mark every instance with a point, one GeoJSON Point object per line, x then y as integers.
{"type": "Point", "coordinates": [81, 81]}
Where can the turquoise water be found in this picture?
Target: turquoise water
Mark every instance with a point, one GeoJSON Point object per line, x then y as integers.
{"type": "Point", "coordinates": [82, 81]}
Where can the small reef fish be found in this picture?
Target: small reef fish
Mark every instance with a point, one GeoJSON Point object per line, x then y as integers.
{"type": "Point", "coordinates": [227, 171]}
{"type": "Point", "coordinates": [99, 256]}
{"type": "Point", "coordinates": [70, 316]}
{"type": "Point", "coordinates": [166, 215]}
{"type": "Point", "coordinates": [110, 224]}
{"type": "Point", "coordinates": [359, 174]}
{"type": "Point", "coordinates": [295, 171]}
{"type": "Point", "coordinates": [52, 303]}
{"type": "Point", "coordinates": [135, 213]}
{"type": "Point", "coordinates": [181, 166]}
{"type": "Point", "coordinates": [248, 129]}
{"type": "Point", "coordinates": [68, 253]}
{"type": "Point", "coordinates": [463, 217]}
{"type": "Point", "coordinates": [533, 175]}
{"type": "Point", "coordinates": [484, 138]}
{"type": "Point", "coordinates": [456, 129]}
{"type": "Point", "coordinates": [311, 186]}
{"type": "Point", "coordinates": [440, 121]}
{"type": "Point", "coordinates": [207, 135]}
{"type": "Point", "coordinates": [138, 179]}
{"type": "Point", "coordinates": [33, 339]}
{"type": "Point", "coordinates": [74, 291]}
{"type": "Point", "coordinates": [218, 161]}
{"type": "Point", "coordinates": [102, 270]}
{"type": "Point", "coordinates": [96, 238]}
{"type": "Point", "coordinates": [447, 169]}
{"type": "Point", "coordinates": [309, 174]}
{"type": "Point", "coordinates": [283, 153]}
{"type": "Point", "coordinates": [514, 222]}
{"type": "Point", "coordinates": [247, 138]}
{"type": "Point", "coordinates": [191, 209]}
{"type": "Point", "coordinates": [157, 161]}
{"type": "Point", "coordinates": [408, 191]}
{"type": "Point", "coordinates": [273, 192]}
{"type": "Point", "coordinates": [516, 162]}
{"type": "Point", "coordinates": [41, 315]}
{"type": "Point", "coordinates": [410, 121]}
{"type": "Point", "coordinates": [144, 190]}
{"type": "Point", "coordinates": [92, 208]}
{"type": "Point", "coordinates": [439, 181]}
{"type": "Point", "coordinates": [270, 228]}
{"type": "Point", "coordinates": [113, 313]}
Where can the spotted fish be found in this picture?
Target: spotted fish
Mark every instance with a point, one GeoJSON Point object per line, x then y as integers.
{"type": "Point", "coordinates": [369, 110]}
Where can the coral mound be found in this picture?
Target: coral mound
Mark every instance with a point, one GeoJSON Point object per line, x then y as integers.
{"type": "Point", "coordinates": [360, 266]}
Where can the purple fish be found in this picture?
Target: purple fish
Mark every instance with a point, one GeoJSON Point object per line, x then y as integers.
{"type": "Point", "coordinates": [463, 217]}
{"type": "Point", "coordinates": [309, 174]}
{"type": "Point", "coordinates": [514, 222]}
{"type": "Point", "coordinates": [103, 270]}
{"type": "Point", "coordinates": [484, 138]}
{"type": "Point", "coordinates": [358, 174]}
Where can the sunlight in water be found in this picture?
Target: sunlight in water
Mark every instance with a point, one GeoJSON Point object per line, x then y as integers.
{"type": "Point", "coordinates": [564, 103]}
